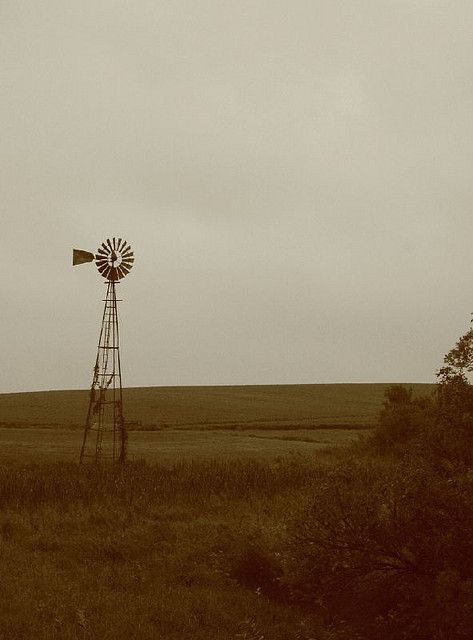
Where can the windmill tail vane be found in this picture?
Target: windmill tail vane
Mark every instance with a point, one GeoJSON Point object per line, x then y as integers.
{"type": "Point", "coordinates": [81, 257]}
{"type": "Point", "coordinates": [105, 433]}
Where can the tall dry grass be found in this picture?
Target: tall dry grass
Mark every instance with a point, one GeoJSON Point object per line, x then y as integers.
{"type": "Point", "coordinates": [147, 551]}
{"type": "Point", "coordinates": [64, 483]}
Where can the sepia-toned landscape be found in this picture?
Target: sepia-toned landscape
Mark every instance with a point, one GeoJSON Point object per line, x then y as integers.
{"type": "Point", "coordinates": [235, 263]}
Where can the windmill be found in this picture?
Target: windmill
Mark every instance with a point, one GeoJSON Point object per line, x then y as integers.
{"type": "Point", "coordinates": [105, 430]}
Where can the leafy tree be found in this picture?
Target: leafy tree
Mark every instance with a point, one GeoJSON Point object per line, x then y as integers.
{"type": "Point", "coordinates": [455, 394]}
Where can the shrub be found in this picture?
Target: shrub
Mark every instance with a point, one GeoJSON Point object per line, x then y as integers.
{"type": "Point", "coordinates": [402, 419]}
{"type": "Point", "coordinates": [383, 550]}
{"type": "Point", "coordinates": [256, 567]}
{"type": "Point", "coordinates": [430, 428]}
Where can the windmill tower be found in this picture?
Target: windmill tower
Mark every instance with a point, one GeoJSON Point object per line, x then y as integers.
{"type": "Point", "coordinates": [105, 435]}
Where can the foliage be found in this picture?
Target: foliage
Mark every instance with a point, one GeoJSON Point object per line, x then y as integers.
{"type": "Point", "coordinates": [455, 394]}
{"type": "Point", "coordinates": [459, 360]}
{"type": "Point", "coordinates": [401, 419]}
{"type": "Point", "coordinates": [257, 567]}
{"type": "Point", "coordinates": [452, 434]}
{"type": "Point", "coordinates": [381, 551]}
{"type": "Point", "coordinates": [437, 429]}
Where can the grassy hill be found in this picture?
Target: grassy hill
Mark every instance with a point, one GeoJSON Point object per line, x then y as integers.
{"type": "Point", "coordinates": [227, 407]}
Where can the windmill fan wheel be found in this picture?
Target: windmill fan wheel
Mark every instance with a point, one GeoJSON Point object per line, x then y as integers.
{"type": "Point", "coordinates": [114, 259]}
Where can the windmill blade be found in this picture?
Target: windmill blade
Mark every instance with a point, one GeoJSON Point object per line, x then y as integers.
{"type": "Point", "coordinates": [101, 253]}
{"type": "Point", "coordinates": [120, 244]}
{"type": "Point", "coordinates": [121, 272]}
{"type": "Point", "coordinates": [103, 267]}
{"type": "Point", "coordinates": [126, 254]}
{"type": "Point", "coordinates": [104, 274]}
{"type": "Point", "coordinates": [81, 257]}
{"type": "Point", "coordinates": [113, 242]}
{"type": "Point", "coordinates": [125, 269]}
{"type": "Point", "coordinates": [109, 244]}
{"type": "Point", "coordinates": [126, 266]}
{"type": "Point", "coordinates": [107, 250]}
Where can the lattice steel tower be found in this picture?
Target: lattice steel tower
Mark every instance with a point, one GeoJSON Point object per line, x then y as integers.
{"type": "Point", "coordinates": [105, 434]}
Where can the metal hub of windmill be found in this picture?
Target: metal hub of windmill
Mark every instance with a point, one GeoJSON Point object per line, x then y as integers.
{"type": "Point", "coordinates": [114, 260]}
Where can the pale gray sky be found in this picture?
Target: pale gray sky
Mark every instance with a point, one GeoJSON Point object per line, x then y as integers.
{"type": "Point", "coordinates": [294, 177]}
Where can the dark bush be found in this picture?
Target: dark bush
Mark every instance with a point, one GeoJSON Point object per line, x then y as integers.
{"type": "Point", "coordinates": [384, 551]}
{"type": "Point", "coordinates": [429, 428]}
{"type": "Point", "coordinates": [257, 568]}
{"type": "Point", "coordinates": [402, 419]}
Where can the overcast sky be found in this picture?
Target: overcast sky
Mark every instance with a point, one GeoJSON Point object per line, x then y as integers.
{"type": "Point", "coordinates": [294, 177]}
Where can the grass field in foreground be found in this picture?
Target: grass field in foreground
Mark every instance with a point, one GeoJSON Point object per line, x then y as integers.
{"type": "Point", "coordinates": [222, 407]}
{"type": "Point", "coordinates": [146, 552]}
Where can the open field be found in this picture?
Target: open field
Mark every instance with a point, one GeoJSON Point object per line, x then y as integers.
{"type": "Point", "coordinates": [169, 424]}
{"type": "Point", "coordinates": [171, 446]}
{"type": "Point", "coordinates": [226, 407]}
